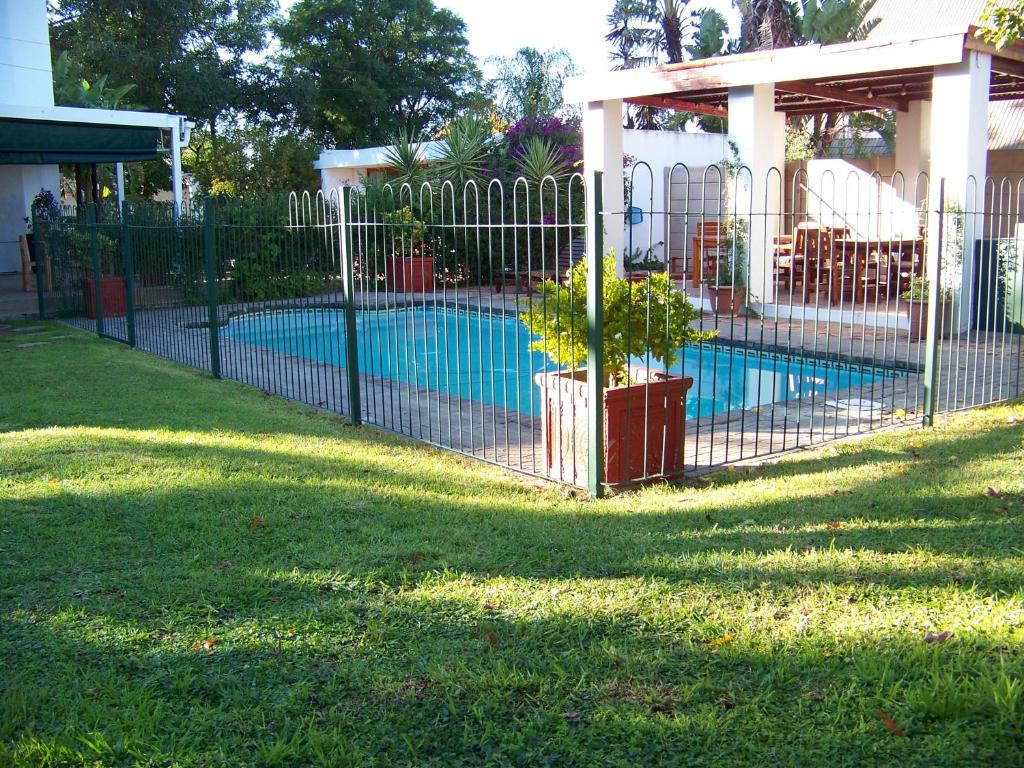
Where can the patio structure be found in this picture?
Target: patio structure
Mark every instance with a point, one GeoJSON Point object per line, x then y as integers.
{"type": "Point", "coordinates": [939, 85]}
{"type": "Point", "coordinates": [36, 136]}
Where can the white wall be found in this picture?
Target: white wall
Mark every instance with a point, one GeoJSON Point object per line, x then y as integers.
{"type": "Point", "coordinates": [25, 74]}
{"type": "Point", "coordinates": [664, 151]}
{"type": "Point", "coordinates": [25, 78]}
{"type": "Point", "coordinates": [332, 178]}
{"type": "Point", "coordinates": [839, 194]}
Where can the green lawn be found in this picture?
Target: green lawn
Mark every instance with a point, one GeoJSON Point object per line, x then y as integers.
{"type": "Point", "coordinates": [193, 573]}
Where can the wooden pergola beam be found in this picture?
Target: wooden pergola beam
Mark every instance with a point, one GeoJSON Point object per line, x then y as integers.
{"type": "Point", "coordinates": [1008, 67]}
{"type": "Point", "coordinates": [842, 95]}
{"type": "Point", "coordinates": [679, 105]}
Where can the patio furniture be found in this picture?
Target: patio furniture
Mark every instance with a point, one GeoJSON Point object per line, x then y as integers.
{"type": "Point", "coordinates": [30, 262]}
{"type": "Point", "coordinates": [866, 269]}
{"type": "Point", "coordinates": [782, 252]}
{"type": "Point", "coordinates": [806, 261]}
{"type": "Point", "coordinates": [707, 244]}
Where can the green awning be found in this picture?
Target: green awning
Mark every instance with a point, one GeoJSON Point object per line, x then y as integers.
{"type": "Point", "coordinates": [44, 142]}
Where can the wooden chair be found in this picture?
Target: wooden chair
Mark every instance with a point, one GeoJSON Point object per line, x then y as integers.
{"type": "Point", "coordinates": [782, 253]}
{"type": "Point", "coordinates": [812, 248]}
{"type": "Point", "coordinates": [707, 244]}
{"type": "Point", "coordinates": [29, 263]}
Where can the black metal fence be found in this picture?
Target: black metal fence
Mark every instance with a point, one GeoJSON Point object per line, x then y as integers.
{"type": "Point", "coordinates": [739, 320]}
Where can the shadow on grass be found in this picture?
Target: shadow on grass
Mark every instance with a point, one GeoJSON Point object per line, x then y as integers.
{"type": "Point", "coordinates": [391, 606]}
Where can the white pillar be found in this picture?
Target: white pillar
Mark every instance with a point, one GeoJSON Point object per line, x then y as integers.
{"type": "Point", "coordinates": [119, 173]}
{"type": "Point", "coordinates": [176, 167]}
{"type": "Point", "coordinates": [602, 151]}
{"type": "Point", "coordinates": [959, 150]}
{"type": "Point", "coordinates": [914, 141]}
{"type": "Point", "coordinates": [759, 135]}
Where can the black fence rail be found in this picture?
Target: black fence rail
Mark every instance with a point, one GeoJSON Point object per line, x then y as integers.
{"type": "Point", "coordinates": [741, 318]}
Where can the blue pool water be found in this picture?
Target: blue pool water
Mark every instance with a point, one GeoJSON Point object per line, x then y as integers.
{"type": "Point", "coordinates": [486, 358]}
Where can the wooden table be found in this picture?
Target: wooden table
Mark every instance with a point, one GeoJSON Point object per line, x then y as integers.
{"type": "Point", "coordinates": [852, 256]}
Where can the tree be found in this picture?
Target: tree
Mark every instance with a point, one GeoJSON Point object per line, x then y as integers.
{"type": "Point", "coordinates": [1001, 25]}
{"type": "Point", "coordinates": [766, 24]}
{"type": "Point", "coordinates": [373, 67]}
{"type": "Point", "coordinates": [528, 86]}
{"type": "Point", "coordinates": [187, 56]}
{"type": "Point", "coordinates": [641, 33]}
{"type": "Point", "coordinates": [837, 21]}
{"type": "Point", "coordinates": [251, 159]}
{"type": "Point", "coordinates": [631, 37]}
{"type": "Point", "coordinates": [72, 89]}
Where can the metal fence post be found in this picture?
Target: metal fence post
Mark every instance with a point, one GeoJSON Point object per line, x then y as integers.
{"type": "Point", "coordinates": [209, 257]}
{"type": "Point", "coordinates": [349, 300]}
{"type": "Point", "coordinates": [94, 260]}
{"type": "Point", "coordinates": [933, 328]}
{"type": "Point", "coordinates": [39, 246]}
{"type": "Point", "coordinates": [595, 344]}
{"type": "Point", "coordinates": [129, 275]}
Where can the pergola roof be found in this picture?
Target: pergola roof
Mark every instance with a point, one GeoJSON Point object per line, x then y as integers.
{"type": "Point", "coordinates": [810, 79]}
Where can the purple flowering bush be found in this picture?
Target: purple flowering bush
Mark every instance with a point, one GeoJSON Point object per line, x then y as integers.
{"type": "Point", "coordinates": [564, 134]}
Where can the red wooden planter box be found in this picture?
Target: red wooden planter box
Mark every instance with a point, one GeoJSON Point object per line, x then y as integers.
{"type": "Point", "coordinates": [112, 296]}
{"type": "Point", "coordinates": [411, 274]}
{"type": "Point", "coordinates": [644, 426]}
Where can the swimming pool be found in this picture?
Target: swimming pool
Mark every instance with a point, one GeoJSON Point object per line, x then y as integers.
{"type": "Point", "coordinates": [486, 358]}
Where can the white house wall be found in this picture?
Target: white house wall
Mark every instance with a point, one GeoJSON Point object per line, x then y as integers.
{"type": "Point", "coordinates": [25, 78]}
{"type": "Point", "coordinates": [686, 156]}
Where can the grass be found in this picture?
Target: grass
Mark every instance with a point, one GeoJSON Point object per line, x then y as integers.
{"type": "Point", "coordinates": [193, 573]}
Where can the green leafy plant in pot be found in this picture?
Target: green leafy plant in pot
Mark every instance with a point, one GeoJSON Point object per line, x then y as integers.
{"type": "Point", "coordinates": [916, 297]}
{"type": "Point", "coordinates": [109, 292]}
{"type": "Point", "coordinates": [644, 408]}
{"type": "Point", "coordinates": [410, 266]}
{"type": "Point", "coordinates": [727, 284]}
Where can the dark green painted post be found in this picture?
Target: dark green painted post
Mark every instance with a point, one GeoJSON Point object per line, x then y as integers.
{"type": "Point", "coordinates": [39, 246]}
{"type": "Point", "coordinates": [129, 275]}
{"type": "Point", "coordinates": [595, 345]}
{"type": "Point", "coordinates": [933, 335]}
{"type": "Point", "coordinates": [349, 299]}
{"type": "Point", "coordinates": [97, 273]}
{"type": "Point", "coordinates": [210, 259]}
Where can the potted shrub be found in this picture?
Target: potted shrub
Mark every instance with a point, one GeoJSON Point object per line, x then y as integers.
{"type": "Point", "coordinates": [644, 408]}
{"type": "Point", "coordinates": [112, 294]}
{"type": "Point", "coordinates": [916, 297]}
{"type": "Point", "coordinates": [410, 267]}
{"type": "Point", "coordinates": [727, 288]}
{"type": "Point", "coordinates": [45, 208]}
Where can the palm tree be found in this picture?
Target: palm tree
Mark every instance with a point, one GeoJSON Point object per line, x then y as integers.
{"type": "Point", "coordinates": [632, 38]}
{"type": "Point", "coordinates": [641, 31]}
{"type": "Point", "coordinates": [836, 21]}
{"type": "Point", "coordinates": [766, 24]}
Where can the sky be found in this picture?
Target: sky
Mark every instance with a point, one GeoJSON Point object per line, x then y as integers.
{"type": "Point", "coordinates": [577, 26]}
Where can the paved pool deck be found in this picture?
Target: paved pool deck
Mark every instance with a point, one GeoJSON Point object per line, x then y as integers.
{"type": "Point", "coordinates": [976, 368]}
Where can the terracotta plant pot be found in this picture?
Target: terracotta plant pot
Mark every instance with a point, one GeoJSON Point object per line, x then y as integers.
{"type": "Point", "coordinates": [112, 296]}
{"type": "Point", "coordinates": [917, 313]}
{"type": "Point", "coordinates": [411, 274]}
{"type": "Point", "coordinates": [635, 447]}
{"type": "Point", "coordinates": [726, 300]}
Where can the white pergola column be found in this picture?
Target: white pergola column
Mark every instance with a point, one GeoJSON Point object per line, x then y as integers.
{"type": "Point", "coordinates": [759, 134]}
{"type": "Point", "coordinates": [602, 151]}
{"type": "Point", "coordinates": [959, 151]}
{"type": "Point", "coordinates": [913, 145]}
{"type": "Point", "coordinates": [176, 167]}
